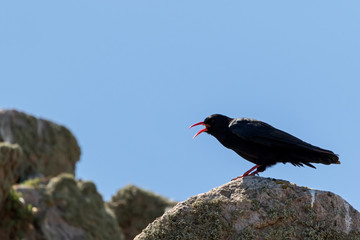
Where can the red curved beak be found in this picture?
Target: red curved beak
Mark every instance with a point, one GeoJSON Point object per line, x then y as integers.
{"type": "Point", "coordinates": [202, 130]}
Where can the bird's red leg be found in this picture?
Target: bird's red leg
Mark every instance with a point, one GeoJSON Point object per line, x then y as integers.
{"type": "Point", "coordinates": [255, 172]}
{"type": "Point", "coordinates": [248, 173]}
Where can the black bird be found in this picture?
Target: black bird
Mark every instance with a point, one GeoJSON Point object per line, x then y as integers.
{"type": "Point", "coordinates": [262, 144]}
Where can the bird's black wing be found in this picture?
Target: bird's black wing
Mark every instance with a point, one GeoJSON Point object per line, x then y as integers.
{"type": "Point", "coordinates": [263, 133]}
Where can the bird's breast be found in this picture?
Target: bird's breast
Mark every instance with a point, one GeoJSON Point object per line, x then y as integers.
{"type": "Point", "coordinates": [244, 148]}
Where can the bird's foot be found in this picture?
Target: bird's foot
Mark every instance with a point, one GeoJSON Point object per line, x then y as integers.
{"type": "Point", "coordinates": [248, 173]}
{"type": "Point", "coordinates": [256, 173]}
{"type": "Point", "coordinates": [237, 178]}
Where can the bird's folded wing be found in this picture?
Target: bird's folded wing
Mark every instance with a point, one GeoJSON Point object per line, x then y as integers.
{"type": "Point", "coordinates": [263, 133]}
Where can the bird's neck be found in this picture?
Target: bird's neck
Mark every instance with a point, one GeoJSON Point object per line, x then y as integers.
{"type": "Point", "coordinates": [223, 138]}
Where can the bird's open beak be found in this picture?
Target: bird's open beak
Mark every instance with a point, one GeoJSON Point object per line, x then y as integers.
{"type": "Point", "coordinates": [202, 130]}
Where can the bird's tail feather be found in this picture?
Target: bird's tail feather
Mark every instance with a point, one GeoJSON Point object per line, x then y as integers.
{"type": "Point", "coordinates": [315, 157]}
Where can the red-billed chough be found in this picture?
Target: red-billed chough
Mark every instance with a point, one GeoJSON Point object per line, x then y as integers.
{"type": "Point", "coordinates": [262, 144]}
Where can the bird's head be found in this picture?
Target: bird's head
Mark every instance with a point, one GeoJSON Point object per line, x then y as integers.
{"type": "Point", "coordinates": [214, 124]}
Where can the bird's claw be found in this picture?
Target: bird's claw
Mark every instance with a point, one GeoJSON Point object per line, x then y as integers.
{"type": "Point", "coordinates": [237, 178]}
{"type": "Point", "coordinates": [256, 173]}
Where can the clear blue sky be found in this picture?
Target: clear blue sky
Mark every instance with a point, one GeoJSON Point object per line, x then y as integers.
{"type": "Point", "coordinates": [129, 77]}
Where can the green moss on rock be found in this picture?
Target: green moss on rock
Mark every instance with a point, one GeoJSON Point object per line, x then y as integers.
{"type": "Point", "coordinates": [16, 217]}
{"type": "Point", "coordinates": [202, 220]}
{"type": "Point", "coordinates": [33, 182]}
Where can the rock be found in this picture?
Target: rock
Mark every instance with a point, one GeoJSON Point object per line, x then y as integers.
{"type": "Point", "coordinates": [16, 218]}
{"type": "Point", "coordinates": [10, 206]}
{"type": "Point", "coordinates": [258, 208]}
{"type": "Point", "coordinates": [135, 208]}
{"type": "Point", "coordinates": [48, 148]}
{"type": "Point", "coordinates": [9, 160]}
{"type": "Point", "coordinates": [68, 209]}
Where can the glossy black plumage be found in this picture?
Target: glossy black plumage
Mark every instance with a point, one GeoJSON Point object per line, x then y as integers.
{"type": "Point", "coordinates": [264, 145]}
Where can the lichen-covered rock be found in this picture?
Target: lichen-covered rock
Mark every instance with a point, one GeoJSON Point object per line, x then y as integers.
{"type": "Point", "coordinates": [13, 214]}
{"type": "Point", "coordinates": [9, 160]}
{"type": "Point", "coordinates": [258, 208]}
{"type": "Point", "coordinates": [48, 148]}
{"type": "Point", "coordinates": [135, 208]}
{"type": "Point", "coordinates": [16, 218]}
{"type": "Point", "coordinates": [69, 209]}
